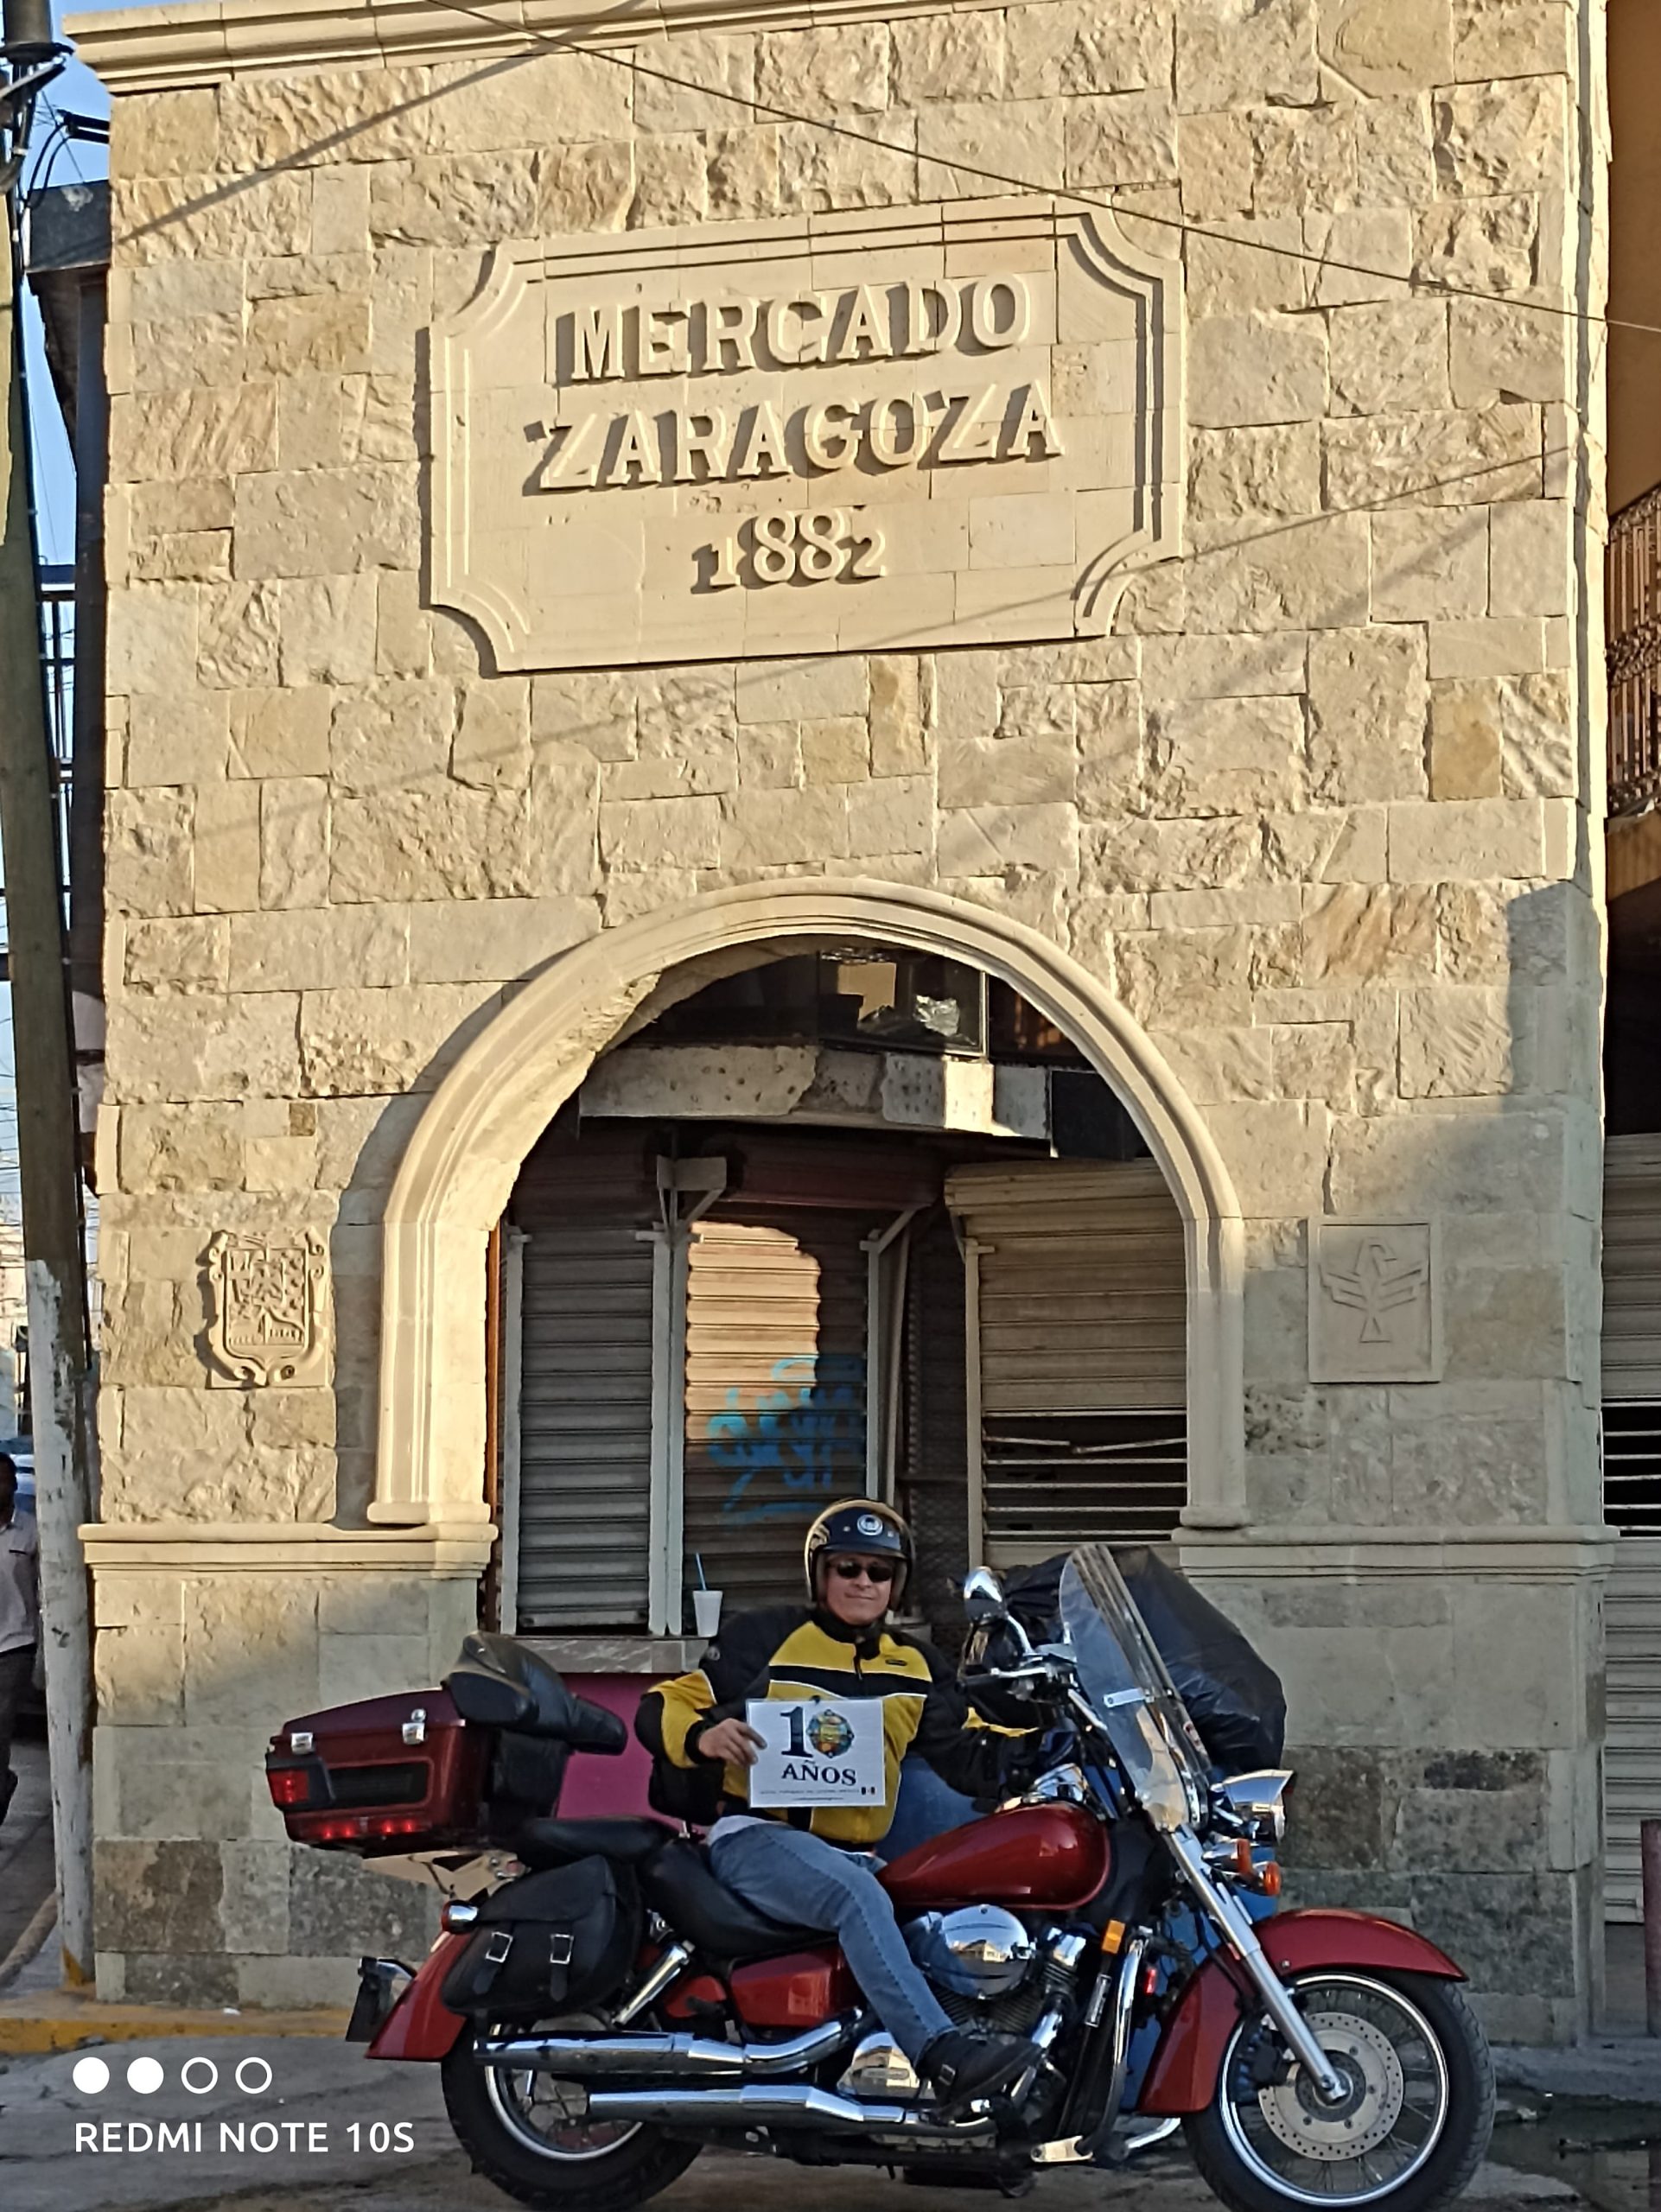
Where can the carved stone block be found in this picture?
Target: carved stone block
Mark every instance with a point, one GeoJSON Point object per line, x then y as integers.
{"type": "Point", "coordinates": [267, 1309]}
{"type": "Point", "coordinates": [1374, 1305]}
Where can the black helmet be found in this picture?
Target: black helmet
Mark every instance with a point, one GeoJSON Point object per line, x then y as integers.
{"type": "Point", "coordinates": [859, 1525]}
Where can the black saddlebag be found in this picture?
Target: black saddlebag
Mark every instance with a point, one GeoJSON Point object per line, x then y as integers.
{"type": "Point", "coordinates": [1233, 1696]}
{"type": "Point", "coordinates": [549, 1943]}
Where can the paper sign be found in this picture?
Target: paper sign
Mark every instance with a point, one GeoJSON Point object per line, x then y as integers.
{"type": "Point", "coordinates": [817, 1752]}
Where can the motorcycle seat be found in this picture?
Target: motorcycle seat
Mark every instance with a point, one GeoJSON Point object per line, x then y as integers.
{"type": "Point", "coordinates": [679, 1883]}
{"type": "Point", "coordinates": [542, 1844]}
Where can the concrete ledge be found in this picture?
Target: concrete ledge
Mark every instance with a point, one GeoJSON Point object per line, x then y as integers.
{"type": "Point", "coordinates": [59, 2020]}
{"type": "Point", "coordinates": [1614, 2069]}
{"type": "Point", "coordinates": [205, 43]}
{"type": "Point", "coordinates": [452, 1551]}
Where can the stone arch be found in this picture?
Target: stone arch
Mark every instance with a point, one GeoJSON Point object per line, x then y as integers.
{"type": "Point", "coordinates": [460, 1162]}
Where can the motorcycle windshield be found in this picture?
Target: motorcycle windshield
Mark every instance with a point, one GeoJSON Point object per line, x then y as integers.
{"type": "Point", "coordinates": [1125, 1679]}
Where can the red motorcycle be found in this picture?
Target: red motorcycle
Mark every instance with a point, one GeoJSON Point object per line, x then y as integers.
{"type": "Point", "coordinates": [610, 2010]}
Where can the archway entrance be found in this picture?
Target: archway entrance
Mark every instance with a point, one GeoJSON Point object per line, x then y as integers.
{"type": "Point", "coordinates": [847, 1220]}
{"type": "Point", "coordinates": [461, 1165]}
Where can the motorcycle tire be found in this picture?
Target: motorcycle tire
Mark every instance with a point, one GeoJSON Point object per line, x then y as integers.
{"type": "Point", "coordinates": [1233, 2146]}
{"type": "Point", "coordinates": [492, 2129]}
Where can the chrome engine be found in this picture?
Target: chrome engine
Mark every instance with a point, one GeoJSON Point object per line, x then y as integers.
{"type": "Point", "coordinates": [879, 2069]}
{"type": "Point", "coordinates": [979, 1951]}
{"type": "Point", "coordinates": [988, 1970]}
{"type": "Point", "coordinates": [984, 1965]}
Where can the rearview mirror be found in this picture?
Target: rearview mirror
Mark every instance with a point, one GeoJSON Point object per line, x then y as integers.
{"type": "Point", "coordinates": [983, 1594]}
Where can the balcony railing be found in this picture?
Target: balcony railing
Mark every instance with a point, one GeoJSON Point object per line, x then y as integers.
{"type": "Point", "coordinates": [1633, 595]}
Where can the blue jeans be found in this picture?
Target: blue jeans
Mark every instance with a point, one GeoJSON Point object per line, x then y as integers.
{"type": "Point", "coordinates": [806, 1883]}
{"type": "Point", "coordinates": [926, 1807]}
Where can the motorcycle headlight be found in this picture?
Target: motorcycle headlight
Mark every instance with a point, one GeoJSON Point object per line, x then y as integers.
{"type": "Point", "coordinates": [1258, 1800]}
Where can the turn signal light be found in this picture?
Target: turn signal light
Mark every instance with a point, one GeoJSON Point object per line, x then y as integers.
{"type": "Point", "coordinates": [1113, 1937]}
{"type": "Point", "coordinates": [1269, 1878]}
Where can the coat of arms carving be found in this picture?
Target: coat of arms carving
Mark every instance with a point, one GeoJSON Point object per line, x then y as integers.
{"type": "Point", "coordinates": [267, 1308]}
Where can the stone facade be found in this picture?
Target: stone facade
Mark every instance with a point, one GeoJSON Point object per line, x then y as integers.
{"type": "Point", "coordinates": [1319, 811]}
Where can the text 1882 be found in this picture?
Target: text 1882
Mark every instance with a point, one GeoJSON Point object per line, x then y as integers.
{"type": "Point", "coordinates": [823, 545]}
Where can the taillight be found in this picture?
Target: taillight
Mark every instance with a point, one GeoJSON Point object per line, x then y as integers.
{"type": "Point", "coordinates": [364, 1827]}
{"type": "Point", "coordinates": [289, 1785]}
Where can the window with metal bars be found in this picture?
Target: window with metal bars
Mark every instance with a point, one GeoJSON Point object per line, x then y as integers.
{"type": "Point", "coordinates": [1054, 1480]}
{"type": "Point", "coordinates": [1631, 1465]}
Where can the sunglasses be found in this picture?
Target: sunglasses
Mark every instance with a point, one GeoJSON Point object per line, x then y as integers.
{"type": "Point", "coordinates": [874, 1570]}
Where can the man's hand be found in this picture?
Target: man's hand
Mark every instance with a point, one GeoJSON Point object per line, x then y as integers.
{"type": "Point", "coordinates": [730, 1743]}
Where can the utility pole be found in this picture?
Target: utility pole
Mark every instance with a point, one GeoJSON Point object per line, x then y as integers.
{"type": "Point", "coordinates": [54, 1250]}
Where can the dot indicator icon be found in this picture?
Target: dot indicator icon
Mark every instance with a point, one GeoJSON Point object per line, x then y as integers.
{"type": "Point", "coordinates": [91, 2076]}
{"type": "Point", "coordinates": [145, 2076]}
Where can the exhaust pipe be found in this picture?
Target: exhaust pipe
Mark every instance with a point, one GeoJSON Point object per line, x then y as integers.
{"type": "Point", "coordinates": [781, 2104]}
{"type": "Point", "coordinates": [667, 2057]}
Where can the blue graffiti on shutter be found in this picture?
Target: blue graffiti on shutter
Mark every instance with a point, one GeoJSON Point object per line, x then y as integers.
{"type": "Point", "coordinates": [797, 1439]}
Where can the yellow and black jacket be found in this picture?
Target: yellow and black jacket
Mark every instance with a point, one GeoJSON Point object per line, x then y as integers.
{"type": "Point", "coordinates": [794, 1651]}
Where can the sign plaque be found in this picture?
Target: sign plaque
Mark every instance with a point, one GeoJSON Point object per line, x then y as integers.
{"type": "Point", "coordinates": [950, 424]}
{"type": "Point", "coordinates": [817, 1752]}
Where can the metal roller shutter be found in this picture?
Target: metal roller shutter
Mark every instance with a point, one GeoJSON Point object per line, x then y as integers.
{"type": "Point", "coordinates": [934, 1492]}
{"type": "Point", "coordinates": [775, 1391]}
{"type": "Point", "coordinates": [1080, 1290]}
{"type": "Point", "coordinates": [585, 1396]}
{"type": "Point", "coordinates": [1632, 1504]}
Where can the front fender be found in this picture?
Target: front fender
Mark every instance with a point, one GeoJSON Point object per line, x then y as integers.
{"type": "Point", "coordinates": [420, 2025]}
{"type": "Point", "coordinates": [1183, 2074]}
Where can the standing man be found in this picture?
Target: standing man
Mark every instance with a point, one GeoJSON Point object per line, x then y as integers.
{"type": "Point", "coordinates": [808, 1869]}
{"type": "Point", "coordinates": [20, 1615]}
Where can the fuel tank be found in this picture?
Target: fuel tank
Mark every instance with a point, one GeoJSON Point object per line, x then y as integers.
{"type": "Point", "coordinates": [1052, 1855]}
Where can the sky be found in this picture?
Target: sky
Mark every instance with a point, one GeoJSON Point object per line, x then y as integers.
{"type": "Point", "coordinates": [65, 162]}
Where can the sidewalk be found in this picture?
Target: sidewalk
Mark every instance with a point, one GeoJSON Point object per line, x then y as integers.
{"type": "Point", "coordinates": [26, 1871]}
{"type": "Point", "coordinates": [37, 2015]}
{"type": "Point", "coordinates": [1604, 2070]}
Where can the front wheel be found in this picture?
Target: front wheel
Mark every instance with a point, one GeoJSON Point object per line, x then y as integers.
{"type": "Point", "coordinates": [528, 2135]}
{"type": "Point", "coordinates": [1408, 2132]}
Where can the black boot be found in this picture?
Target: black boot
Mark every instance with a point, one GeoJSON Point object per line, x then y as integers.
{"type": "Point", "coordinates": [960, 2065]}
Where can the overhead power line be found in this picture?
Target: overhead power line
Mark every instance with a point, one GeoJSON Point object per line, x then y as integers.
{"type": "Point", "coordinates": [1442, 286]}
{"type": "Point", "coordinates": [1438, 287]}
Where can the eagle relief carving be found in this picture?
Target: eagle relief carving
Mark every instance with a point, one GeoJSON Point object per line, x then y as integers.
{"type": "Point", "coordinates": [1374, 1316]}
{"type": "Point", "coordinates": [268, 1299]}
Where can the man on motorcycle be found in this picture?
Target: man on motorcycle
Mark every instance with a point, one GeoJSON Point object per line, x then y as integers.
{"type": "Point", "coordinates": [810, 1869]}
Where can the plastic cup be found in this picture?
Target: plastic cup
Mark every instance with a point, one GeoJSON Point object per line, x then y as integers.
{"type": "Point", "coordinates": [706, 1610]}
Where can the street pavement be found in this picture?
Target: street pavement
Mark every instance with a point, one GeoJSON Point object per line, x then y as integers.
{"type": "Point", "coordinates": [318, 2090]}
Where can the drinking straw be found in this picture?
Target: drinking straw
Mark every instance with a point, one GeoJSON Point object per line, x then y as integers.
{"type": "Point", "coordinates": [698, 1561]}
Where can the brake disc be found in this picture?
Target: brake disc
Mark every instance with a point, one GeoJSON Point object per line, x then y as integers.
{"type": "Point", "coordinates": [1363, 2117]}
